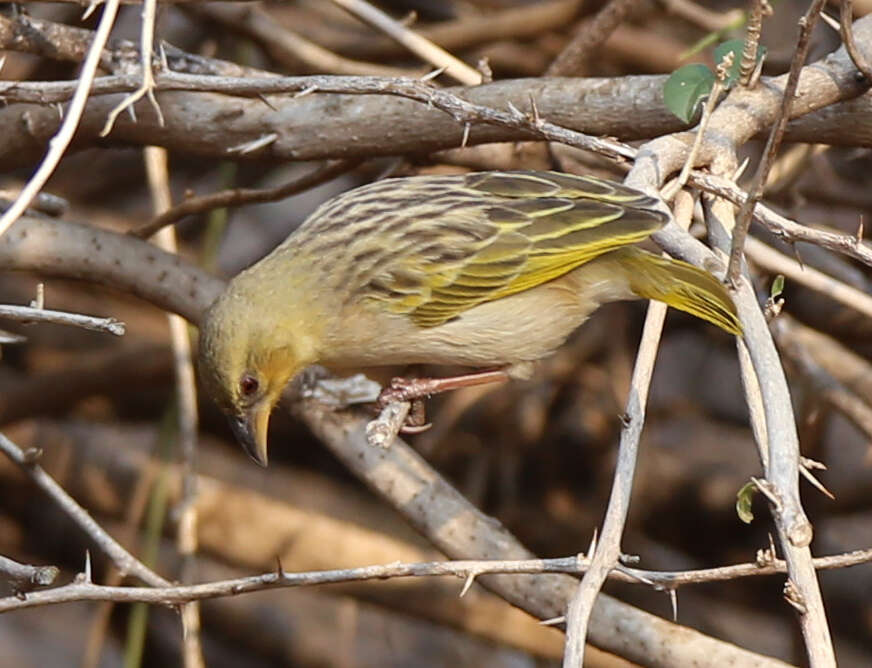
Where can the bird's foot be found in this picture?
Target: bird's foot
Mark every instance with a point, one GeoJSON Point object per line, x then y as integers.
{"type": "Point", "coordinates": [413, 390]}
{"type": "Point", "coordinates": [416, 390]}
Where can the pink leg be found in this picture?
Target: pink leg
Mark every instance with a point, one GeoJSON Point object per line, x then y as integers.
{"type": "Point", "coordinates": [415, 390]}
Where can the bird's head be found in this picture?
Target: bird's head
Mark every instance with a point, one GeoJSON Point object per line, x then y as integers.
{"type": "Point", "coordinates": [248, 353]}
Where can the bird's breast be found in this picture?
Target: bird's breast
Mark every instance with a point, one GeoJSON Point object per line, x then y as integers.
{"type": "Point", "coordinates": [513, 330]}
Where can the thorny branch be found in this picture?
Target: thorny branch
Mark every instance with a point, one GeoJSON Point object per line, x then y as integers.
{"type": "Point", "coordinates": [179, 594]}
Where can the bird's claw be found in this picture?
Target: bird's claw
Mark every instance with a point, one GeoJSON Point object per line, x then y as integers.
{"type": "Point", "coordinates": [413, 390]}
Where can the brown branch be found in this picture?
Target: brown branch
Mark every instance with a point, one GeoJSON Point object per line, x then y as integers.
{"type": "Point", "coordinates": [784, 228]}
{"type": "Point", "coordinates": [589, 36]}
{"type": "Point", "coordinates": [58, 41]}
{"type": "Point", "coordinates": [611, 109]}
{"type": "Point", "coordinates": [241, 196]}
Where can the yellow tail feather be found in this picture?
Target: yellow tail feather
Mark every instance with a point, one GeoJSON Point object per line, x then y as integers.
{"type": "Point", "coordinates": [680, 285]}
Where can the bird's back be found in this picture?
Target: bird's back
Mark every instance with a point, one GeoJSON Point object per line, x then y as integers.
{"type": "Point", "coordinates": [432, 247]}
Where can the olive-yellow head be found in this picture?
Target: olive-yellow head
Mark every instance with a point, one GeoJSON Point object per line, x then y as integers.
{"type": "Point", "coordinates": [249, 350]}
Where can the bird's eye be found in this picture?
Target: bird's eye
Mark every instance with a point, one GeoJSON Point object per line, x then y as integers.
{"type": "Point", "coordinates": [248, 385]}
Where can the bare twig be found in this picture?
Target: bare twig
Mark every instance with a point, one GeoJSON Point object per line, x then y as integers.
{"type": "Point", "coordinates": [608, 548]}
{"type": "Point", "coordinates": [146, 47]}
{"type": "Point", "coordinates": [779, 451]}
{"type": "Point", "coordinates": [186, 536]}
{"type": "Point", "coordinates": [752, 40]}
{"type": "Point", "coordinates": [671, 189]}
{"type": "Point", "coordinates": [784, 228]}
{"type": "Point", "coordinates": [382, 431]}
{"type": "Point", "coordinates": [607, 553]}
{"type": "Point", "coordinates": [30, 314]}
{"type": "Point", "coordinates": [180, 594]}
{"type": "Point", "coordinates": [288, 47]}
{"type": "Point", "coordinates": [846, 25]}
{"type": "Point", "coordinates": [63, 137]}
{"type": "Point", "coordinates": [778, 263]}
{"type": "Point", "coordinates": [589, 36]}
{"type": "Point", "coordinates": [123, 560]}
{"type": "Point", "coordinates": [241, 196]}
{"type": "Point", "coordinates": [431, 53]}
{"type": "Point", "coordinates": [755, 191]}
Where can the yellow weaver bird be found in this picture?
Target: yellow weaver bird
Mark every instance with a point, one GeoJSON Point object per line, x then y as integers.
{"type": "Point", "coordinates": [490, 270]}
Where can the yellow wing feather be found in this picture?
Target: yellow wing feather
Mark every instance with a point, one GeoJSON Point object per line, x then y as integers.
{"type": "Point", "coordinates": [458, 241]}
{"type": "Point", "coordinates": [543, 226]}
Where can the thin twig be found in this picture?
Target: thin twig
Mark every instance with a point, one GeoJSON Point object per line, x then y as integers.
{"type": "Point", "coordinates": [779, 450]}
{"type": "Point", "coordinates": [420, 46]}
{"type": "Point", "coordinates": [778, 263]}
{"type": "Point", "coordinates": [382, 431]}
{"type": "Point", "coordinates": [242, 196]}
{"type": "Point", "coordinates": [755, 191]}
{"type": "Point", "coordinates": [846, 24]}
{"type": "Point", "coordinates": [180, 594]}
{"type": "Point", "coordinates": [607, 553]}
{"type": "Point", "coordinates": [752, 41]}
{"type": "Point", "coordinates": [784, 228]}
{"type": "Point", "coordinates": [123, 560]}
{"type": "Point", "coordinates": [146, 47]}
{"type": "Point", "coordinates": [157, 171]}
{"type": "Point", "coordinates": [30, 314]}
{"type": "Point", "coordinates": [589, 36]}
{"type": "Point", "coordinates": [286, 46]}
{"type": "Point", "coordinates": [58, 144]}
{"type": "Point", "coordinates": [670, 190]}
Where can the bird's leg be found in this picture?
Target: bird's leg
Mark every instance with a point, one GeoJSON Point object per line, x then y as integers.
{"type": "Point", "coordinates": [415, 390]}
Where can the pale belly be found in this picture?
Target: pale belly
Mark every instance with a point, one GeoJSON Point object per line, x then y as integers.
{"type": "Point", "coordinates": [514, 330]}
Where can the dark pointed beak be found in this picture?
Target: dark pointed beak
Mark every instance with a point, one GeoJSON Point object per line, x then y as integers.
{"type": "Point", "coordinates": [250, 430]}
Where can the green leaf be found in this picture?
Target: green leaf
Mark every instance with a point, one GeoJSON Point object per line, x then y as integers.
{"type": "Point", "coordinates": [686, 88]}
{"type": "Point", "coordinates": [736, 46]}
{"type": "Point", "coordinates": [777, 286]}
{"type": "Point", "coordinates": [744, 499]}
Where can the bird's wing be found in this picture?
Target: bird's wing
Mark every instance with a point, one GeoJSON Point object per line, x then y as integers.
{"type": "Point", "coordinates": [504, 233]}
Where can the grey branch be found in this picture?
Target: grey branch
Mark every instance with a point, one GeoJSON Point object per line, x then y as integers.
{"type": "Point", "coordinates": [30, 314]}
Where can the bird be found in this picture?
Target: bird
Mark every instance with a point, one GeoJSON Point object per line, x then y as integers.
{"type": "Point", "coordinates": [487, 270]}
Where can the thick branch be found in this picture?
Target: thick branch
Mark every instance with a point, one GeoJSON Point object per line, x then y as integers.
{"type": "Point", "coordinates": [319, 126]}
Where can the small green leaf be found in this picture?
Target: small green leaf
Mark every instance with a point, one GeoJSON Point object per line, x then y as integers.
{"type": "Point", "coordinates": [744, 499]}
{"type": "Point", "coordinates": [736, 46]}
{"type": "Point", "coordinates": [686, 88]}
{"type": "Point", "coordinates": [777, 287]}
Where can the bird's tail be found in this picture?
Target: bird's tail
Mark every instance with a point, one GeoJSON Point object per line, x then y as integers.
{"type": "Point", "coordinates": [678, 284]}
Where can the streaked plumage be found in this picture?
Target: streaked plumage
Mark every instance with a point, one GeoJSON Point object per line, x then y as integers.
{"type": "Point", "coordinates": [484, 269]}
